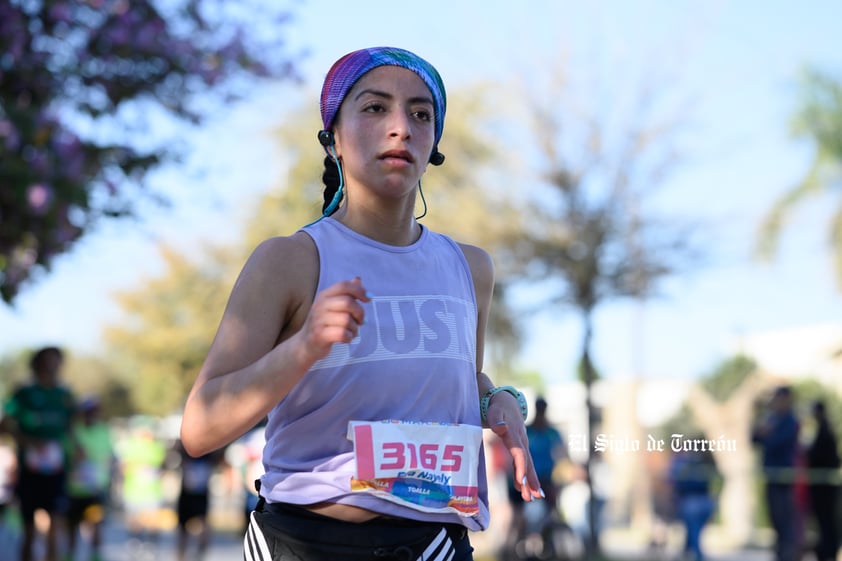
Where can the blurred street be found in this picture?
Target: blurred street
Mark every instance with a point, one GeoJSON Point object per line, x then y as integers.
{"type": "Point", "coordinates": [227, 546]}
{"type": "Point", "coordinates": [120, 546]}
{"type": "Point", "coordinates": [618, 544]}
{"type": "Point", "coordinates": [622, 544]}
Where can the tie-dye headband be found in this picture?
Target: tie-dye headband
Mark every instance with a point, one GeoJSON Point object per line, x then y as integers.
{"type": "Point", "coordinates": [347, 70]}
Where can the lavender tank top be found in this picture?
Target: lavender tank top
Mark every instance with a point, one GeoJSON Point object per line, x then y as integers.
{"type": "Point", "coordinates": [414, 360]}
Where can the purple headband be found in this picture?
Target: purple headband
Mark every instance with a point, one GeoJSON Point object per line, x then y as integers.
{"type": "Point", "coordinates": [347, 70]}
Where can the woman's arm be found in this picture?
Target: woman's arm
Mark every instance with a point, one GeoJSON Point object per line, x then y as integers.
{"type": "Point", "coordinates": [272, 331]}
{"type": "Point", "coordinates": [504, 414]}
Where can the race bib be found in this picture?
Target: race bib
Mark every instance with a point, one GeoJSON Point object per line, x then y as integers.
{"type": "Point", "coordinates": [431, 467]}
{"type": "Point", "coordinates": [45, 458]}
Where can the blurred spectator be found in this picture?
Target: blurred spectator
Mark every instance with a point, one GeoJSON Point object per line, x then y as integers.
{"type": "Point", "coordinates": [546, 446]}
{"type": "Point", "coordinates": [576, 501]}
{"type": "Point", "coordinates": [662, 501]}
{"type": "Point", "coordinates": [9, 523]}
{"type": "Point", "coordinates": [39, 415]}
{"type": "Point", "coordinates": [823, 462]}
{"type": "Point", "coordinates": [691, 473]}
{"type": "Point", "coordinates": [141, 456]}
{"type": "Point", "coordinates": [91, 474]}
{"type": "Point", "coordinates": [245, 456]}
{"type": "Point", "coordinates": [194, 499]}
{"type": "Point", "coordinates": [778, 437]}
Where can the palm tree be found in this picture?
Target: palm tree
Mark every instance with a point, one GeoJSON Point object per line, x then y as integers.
{"type": "Point", "coordinates": [818, 120]}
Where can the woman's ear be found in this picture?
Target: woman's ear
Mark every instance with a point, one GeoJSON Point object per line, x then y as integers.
{"type": "Point", "coordinates": [337, 144]}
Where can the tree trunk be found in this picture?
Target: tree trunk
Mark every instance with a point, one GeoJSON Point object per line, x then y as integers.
{"type": "Point", "coordinates": [732, 421]}
{"type": "Point", "coordinates": [592, 545]}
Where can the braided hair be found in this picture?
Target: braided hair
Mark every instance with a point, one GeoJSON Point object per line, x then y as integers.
{"type": "Point", "coordinates": [330, 177]}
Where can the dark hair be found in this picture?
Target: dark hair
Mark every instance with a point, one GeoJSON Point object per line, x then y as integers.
{"type": "Point", "coordinates": [330, 177]}
{"type": "Point", "coordinates": [784, 391]}
{"type": "Point", "coordinates": [36, 362]}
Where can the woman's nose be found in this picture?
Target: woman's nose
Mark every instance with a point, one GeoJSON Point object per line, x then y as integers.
{"type": "Point", "coordinates": [400, 125]}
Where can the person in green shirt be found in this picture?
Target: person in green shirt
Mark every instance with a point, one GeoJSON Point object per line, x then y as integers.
{"type": "Point", "coordinates": [39, 416]}
{"type": "Point", "coordinates": [90, 477]}
{"type": "Point", "coordinates": [142, 456]}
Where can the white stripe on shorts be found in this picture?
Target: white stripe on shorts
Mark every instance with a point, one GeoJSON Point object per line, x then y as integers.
{"type": "Point", "coordinates": [441, 542]}
{"type": "Point", "coordinates": [255, 547]}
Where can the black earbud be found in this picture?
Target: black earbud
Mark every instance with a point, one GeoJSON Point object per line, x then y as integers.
{"type": "Point", "coordinates": [326, 138]}
{"type": "Point", "coordinates": [437, 158]}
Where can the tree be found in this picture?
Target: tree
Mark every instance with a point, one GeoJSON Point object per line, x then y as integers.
{"type": "Point", "coordinates": [586, 233]}
{"type": "Point", "coordinates": [14, 370]}
{"type": "Point", "coordinates": [818, 120]}
{"type": "Point", "coordinates": [723, 406]}
{"type": "Point", "coordinates": [75, 76]}
{"type": "Point", "coordinates": [170, 320]}
{"type": "Point", "coordinates": [725, 403]}
{"type": "Point", "coordinates": [170, 324]}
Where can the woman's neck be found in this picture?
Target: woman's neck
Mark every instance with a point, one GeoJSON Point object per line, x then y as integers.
{"type": "Point", "coordinates": [397, 229]}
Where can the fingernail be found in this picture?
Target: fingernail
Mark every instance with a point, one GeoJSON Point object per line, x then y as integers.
{"type": "Point", "coordinates": [500, 423]}
{"type": "Point", "coordinates": [541, 492]}
{"type": "Point", "coordinates": [369, 295]}
{"type": "Point", "coordinates": [523, 482]}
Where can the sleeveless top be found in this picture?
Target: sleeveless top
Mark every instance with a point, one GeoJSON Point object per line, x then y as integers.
{"type": "Point", "coordinates": [414, 359]}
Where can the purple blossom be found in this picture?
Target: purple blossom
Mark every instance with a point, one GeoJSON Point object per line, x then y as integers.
{"type": "Point", "coordinates": [69, 151]}
{"type": "Point", "coordinates": [148, 34]}
{"type": "Point", "coordinates": [39, 197]}
{"type": "Point", "coordinates": [103, 55]}
{"type": "Point", "coordinates": [61, 12]}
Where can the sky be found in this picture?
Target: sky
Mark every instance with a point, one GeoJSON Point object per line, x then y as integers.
{"type": "Point", "coordinates": [739, 61]}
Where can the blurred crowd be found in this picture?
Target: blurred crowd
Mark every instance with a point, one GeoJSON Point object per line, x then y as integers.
{"type": "Point", "coordinates": [65, 471]}
{"type": "Point", "coordinates": [799, 472]}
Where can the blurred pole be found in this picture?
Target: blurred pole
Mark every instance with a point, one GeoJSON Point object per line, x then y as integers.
{"type": "Point", "coordinates": [641, 501]}
{"type": "Point", "coordinates": [592, 545]}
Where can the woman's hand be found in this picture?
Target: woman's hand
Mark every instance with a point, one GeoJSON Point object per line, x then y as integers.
{"type": "Point", "coordinates": [335, 317]}
{"type": "Point", "coordinates": [505, 419]}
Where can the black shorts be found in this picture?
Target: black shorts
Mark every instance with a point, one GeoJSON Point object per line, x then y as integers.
{"type": "Point", "coordinates": [281, 532]}
{"type": "Point", "coordinates": [41, 491]}
{"type": "Point", "coordinates": [191, 505]}
{"type": "Point", "coordinates": [79, 507]}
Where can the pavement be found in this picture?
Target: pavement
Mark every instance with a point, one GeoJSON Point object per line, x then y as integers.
{"type": "Point", "coordinates": [226, 545]}
{"type": "Point", "coordinates": [624, 544]}
{"type": "Point", "coordinates": [118, 545]}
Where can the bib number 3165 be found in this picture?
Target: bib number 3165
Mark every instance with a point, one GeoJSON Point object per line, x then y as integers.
{"type": "Point", "coordinates": [431, 466]}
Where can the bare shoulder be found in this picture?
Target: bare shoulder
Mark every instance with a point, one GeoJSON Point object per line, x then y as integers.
{"type": "Point", "coordinates": [480, 262]}
{"type": "Point", "coordinates": [285, 254]}
{"type": "Point", "coordinates": [277, 282]}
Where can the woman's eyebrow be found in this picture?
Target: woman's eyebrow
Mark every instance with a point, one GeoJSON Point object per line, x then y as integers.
{"type": "Point", "coordinates": [387, 95]}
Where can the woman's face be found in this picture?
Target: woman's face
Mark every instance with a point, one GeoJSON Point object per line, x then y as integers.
{"type": "Point", "coordinates": [385, 130]}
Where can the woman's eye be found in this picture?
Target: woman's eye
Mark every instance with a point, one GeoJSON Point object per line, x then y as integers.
{"type": "Point", "coordinates": [373, 108]}
{"type": "Point", "coordinates": [424, 115]}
